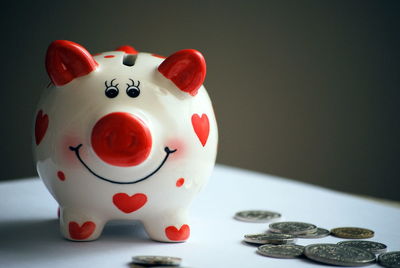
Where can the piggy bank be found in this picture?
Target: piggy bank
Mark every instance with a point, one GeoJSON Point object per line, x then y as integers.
{"type": "Point", "coordinates": [124, 135]}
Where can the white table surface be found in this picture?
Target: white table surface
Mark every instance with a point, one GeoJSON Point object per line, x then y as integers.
{"type": "Point", "coordinates": [29, 235]}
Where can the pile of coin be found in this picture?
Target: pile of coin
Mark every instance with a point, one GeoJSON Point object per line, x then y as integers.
{"type": "Point", "coordinates": [299, 229]}
{"type": "Point", "coordinates": [279, 242]}
{"type": "Point", "coordinates": [155, 261]}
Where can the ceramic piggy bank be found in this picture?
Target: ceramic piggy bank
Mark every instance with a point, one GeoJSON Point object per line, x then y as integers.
{"type": "Point", "coordinates": [124, 135]}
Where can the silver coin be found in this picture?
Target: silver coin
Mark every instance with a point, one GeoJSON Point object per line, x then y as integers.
{"type": "Point", "coordinates": [157, 260]}
{"type": "Point", "coordinates": [292, 227]}
{"type": "Point", "coordinates": [269, 238]}
{"type": "Point", "coordinates": [134, 265]}
{"type": "Point", "coordinates": [338, 255]}
{"type": "Point", "coordinates": [390, 259]}
{"type": "Point", "coordinates": [321, 232]}
{"type": "Point", "coordinates": [256, 215]}
{"type": "Point", "coordinates": [281, 251]}
{"type": "Point", "coordinates": [373, 247]}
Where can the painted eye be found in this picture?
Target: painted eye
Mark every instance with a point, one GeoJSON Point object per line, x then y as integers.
{"type": "Point", "coordinates": [111, 90]}
{"type": "Point", "coordinates": [132, 90]}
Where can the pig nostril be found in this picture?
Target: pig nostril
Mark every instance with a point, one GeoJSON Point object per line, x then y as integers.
{"type": "Point", "coordinates": [121, 139]}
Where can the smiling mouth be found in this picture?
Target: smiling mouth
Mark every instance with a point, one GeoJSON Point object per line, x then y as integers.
{"type": "Point", "coordinates": [76, 150]}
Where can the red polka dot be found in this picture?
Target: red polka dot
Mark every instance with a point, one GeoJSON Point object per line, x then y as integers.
{"type": "Point", "coordinates": [61, 175]}
{"type": "Point", "coordinates": [109, 56]}
{"type": "Point", "coordinates": [180, 182]}
{"type": "Point", "coordinates": [158, 56]}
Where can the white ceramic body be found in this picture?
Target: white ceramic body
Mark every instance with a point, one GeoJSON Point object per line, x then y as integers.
{"type": "Point", "coordinates": [86, 202]}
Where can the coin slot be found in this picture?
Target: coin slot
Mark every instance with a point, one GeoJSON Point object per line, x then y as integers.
{"type": "Point", "coordinates": [129, 59]}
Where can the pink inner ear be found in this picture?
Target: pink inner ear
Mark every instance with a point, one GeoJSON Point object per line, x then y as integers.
{"type": "Point", "coordinates": [186, 69]}
{"type": "Point", "coordinates": [66, 60]}
{"type": "Point", "coordinates": [128, 50]}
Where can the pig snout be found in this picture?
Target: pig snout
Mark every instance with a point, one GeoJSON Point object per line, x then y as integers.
{"type": "Point", "coordinates": [121, 139]}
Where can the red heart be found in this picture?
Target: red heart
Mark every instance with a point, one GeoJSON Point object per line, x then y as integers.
{"type": "Point", "coordinates": [178, 235]}
{"type": "Point", "coordinates": [81, 232]}
{"type": "Point", "coordinates": [201, 126]}
{"type": "Point", "coordinates": [42, 122]}
{"type": "Point", "coordinates": [128, 203]}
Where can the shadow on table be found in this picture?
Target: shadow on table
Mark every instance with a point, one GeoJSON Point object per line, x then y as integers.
{"type": "Point", "coordinates": [29, 240]}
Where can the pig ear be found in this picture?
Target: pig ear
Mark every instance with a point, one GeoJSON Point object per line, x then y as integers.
{"type": "Point", "coordinates": [127, 50]}
{"type": "Point", "coordinates": [186, 69]}
{"type": "Point", "coordinates": [66, 60]}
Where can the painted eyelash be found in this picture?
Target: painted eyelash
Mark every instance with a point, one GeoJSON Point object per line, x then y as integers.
{"type": "Point", "coordinates": [133, 83]}
{"type": "Point", "coordinates": [111, 83]}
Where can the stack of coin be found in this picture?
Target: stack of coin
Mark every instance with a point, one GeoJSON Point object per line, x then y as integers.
{"type": "Point", "coordinates": [319, 233]}
{"type": "Point", "coordinates": [269, 238]}
{"type": "Point", "coordinates": [299, 229]}
{"type": "Point", "coordinates": [292, 227]}
{"type": "Point", "coordinates": [155, 261]}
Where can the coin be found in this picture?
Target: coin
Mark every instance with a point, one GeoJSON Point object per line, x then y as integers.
{"type": "Point", "coordinates": [256, 215]}
{"type": "Point", "coordinates": [352, 232]}
{"type": "Point", "coordinates": [281, 251]}
{"type": "Point", "coordinates": [390, 259]}
{"type": "Point", "coordinates": [292, 227]}
{"type": "Point", "coordinates": [373, 247]}
{"type": "Point", "coordinates": [321, 232]}
{"type": "Point", "coordinates": [338, 255]}
{"type": "Point", "coordinates": [157, 260]}
{"type": "Point", "coordinates": [269, 238]}
{"type": "Point", "coordinates": [134, 265]}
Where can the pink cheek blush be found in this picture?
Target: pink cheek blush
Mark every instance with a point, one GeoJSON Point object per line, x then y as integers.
{"type": "Point", "coordinates": [68, 157]}
{"type": "Point", "coordinates": [179, 145]}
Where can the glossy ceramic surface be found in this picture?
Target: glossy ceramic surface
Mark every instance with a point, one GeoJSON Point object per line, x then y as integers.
{"type": "Point", "coordinates": [124, 135]}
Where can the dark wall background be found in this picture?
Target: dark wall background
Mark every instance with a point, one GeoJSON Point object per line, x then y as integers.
{"type": "Point", "coordinates": [302, 89]}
